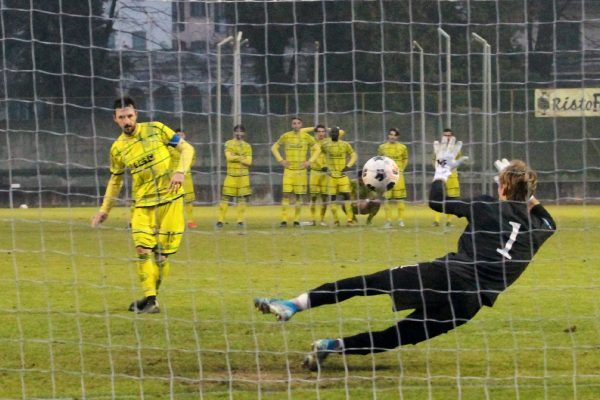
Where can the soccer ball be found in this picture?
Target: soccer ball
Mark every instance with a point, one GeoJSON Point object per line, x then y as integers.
{"type": "Point", "coordinates": [380, 174]}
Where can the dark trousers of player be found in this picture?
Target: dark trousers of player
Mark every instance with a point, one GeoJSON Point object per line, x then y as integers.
{"type": "Point", "coordinates": [440, 303]}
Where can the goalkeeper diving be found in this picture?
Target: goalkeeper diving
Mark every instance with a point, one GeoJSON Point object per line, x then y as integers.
{"type": "Point", "coordinates": [501, 238]}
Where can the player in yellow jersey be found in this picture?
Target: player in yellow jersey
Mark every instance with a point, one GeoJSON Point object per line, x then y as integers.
{"type": "Point", "coordinates": [188, 183]}
{"type": "Point", "coordinates": [318, 178]}
{"type": "Point", "coordinates": [452, 184]}
{"type": "Point", "coordinates": [399, 153]}
{"type": "Point", "coordinates": [157, 222]}
{"type": "Point", "coordinates": [340, 157]}
{"type": "Point", "coordinates": [236, 186]}
{"type": "Point", "coordinates": [296, 144]}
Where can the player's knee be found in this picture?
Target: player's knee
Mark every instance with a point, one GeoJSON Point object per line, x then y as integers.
{"type": "Point", "coordinates": [160, 258]}
{"type": "Point", "coordinates": [142, 252]}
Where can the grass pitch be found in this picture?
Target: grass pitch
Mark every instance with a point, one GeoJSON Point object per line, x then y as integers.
{"type": "Point", "coordinates": [65, 331]}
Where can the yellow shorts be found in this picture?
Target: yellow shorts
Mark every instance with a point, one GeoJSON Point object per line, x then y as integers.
{"type": "Point", "coordinates": [318, 182]}
{"type": "Point", "coordinates": [398, 191]}
{"type": "Point", "coordinates": [338, 185]}
{"type": "Point", "coordinates": [188, 188]}
{"type": "Point", "coordinates": [237, 186]}
{"type": "Point", "coordinates": [295, 181]}
{"type": "Point", "coordinates": [159, 227]}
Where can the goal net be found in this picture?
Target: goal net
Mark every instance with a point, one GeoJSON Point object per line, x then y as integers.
{"type": "Point", "coordinates": [516, 79]}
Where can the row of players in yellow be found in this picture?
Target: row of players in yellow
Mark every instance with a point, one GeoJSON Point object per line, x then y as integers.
{"type": "Point", "coordinates": [322, 151]}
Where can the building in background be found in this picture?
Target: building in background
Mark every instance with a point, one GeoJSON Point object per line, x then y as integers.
{"type": "Point", "coordinates": [168, 55]}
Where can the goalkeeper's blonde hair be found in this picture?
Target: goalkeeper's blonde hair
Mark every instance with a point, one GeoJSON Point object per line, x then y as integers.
{"type": "Point", "coordinates": [518, 180]}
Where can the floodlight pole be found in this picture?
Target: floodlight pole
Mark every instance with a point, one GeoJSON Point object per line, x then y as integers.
{"type": "Point", "coordinates": [316, 79]}
{"type": "Point", "coordinates": [219, 112]}
{"type": "Point", "coordinates": [442, 33]}
{"type": "Point", "coordinates": [422, 105]}
{"type": "Point", "coordinates": [237, 80]}
{"type": "Point", "coordinates": [486, 108]}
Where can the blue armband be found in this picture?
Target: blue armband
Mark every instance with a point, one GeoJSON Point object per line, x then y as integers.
{"type": "Point", "coordinates": [174, 140]}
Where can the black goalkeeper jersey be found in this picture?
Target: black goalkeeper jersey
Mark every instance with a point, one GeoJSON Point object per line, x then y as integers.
{"type": "Point", "coordinates": [498, 243]}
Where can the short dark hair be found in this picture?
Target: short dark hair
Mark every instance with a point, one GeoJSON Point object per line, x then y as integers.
{"type": "Point", "coordinates": [395, 130]}
{"type": "Point", "coordinates": [178, 129]}
{"type": "Point", "coordinates": [298, 118]}
{"type": "Point", "coordinates": [239, 127]}
{"type": "Point", "coordinates": [123, 102]}
{"type": "Point", "coordinates": [448, 130]}
{"type": "Point", "coordinates": [320, 126]}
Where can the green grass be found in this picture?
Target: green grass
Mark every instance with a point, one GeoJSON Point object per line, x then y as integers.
{"type": "Point", "coordinates": [65, 331]}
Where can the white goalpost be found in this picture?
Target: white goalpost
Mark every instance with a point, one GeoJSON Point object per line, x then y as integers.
{"type": "Point", "coordinates": [516, 79]}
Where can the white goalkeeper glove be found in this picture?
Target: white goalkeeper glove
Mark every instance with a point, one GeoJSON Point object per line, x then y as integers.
{"type": "Point", "coordinates": [500, 165]}
{"type": "Point", "coordinates": [445, 157]}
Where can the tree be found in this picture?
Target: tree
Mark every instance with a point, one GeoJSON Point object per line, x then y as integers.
{"type": "Point", "coordinates": [57, 51]}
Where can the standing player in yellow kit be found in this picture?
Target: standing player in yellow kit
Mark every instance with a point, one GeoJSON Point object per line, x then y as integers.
{"type": "Point", "coordinates": [236, 186]}
{"type": "Point", "coordinates": [319, 178]}
{"type": "Point", "coordinates": [399, 153]}
{"type": "Point", "coordinates": [157, 221]}
{"type": "Point", "coordinates": [340, 157]}
{"type": "Point", "coordinates": [296, 144]}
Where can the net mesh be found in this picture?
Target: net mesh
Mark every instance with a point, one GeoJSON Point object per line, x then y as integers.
{"type": "Point", "coordinates": [64, 326]}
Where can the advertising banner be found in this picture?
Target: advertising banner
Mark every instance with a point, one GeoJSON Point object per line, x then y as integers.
{"type": "Point", "coordinates": [567, 102]}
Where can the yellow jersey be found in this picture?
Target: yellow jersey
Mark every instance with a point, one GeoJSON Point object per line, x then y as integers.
{"type": "Point", "coordinates": [321, 161]}
{"type": "Point", "coordinates": [145, 154]}
{"type": "Point", "coordinates": [337, 154]}
{"type": "Point", "coordinates": [238, 148]}
{"type": "Point", "coordinates": [296, 146]}
{"type": "Point", "coordinates": [396, 151]}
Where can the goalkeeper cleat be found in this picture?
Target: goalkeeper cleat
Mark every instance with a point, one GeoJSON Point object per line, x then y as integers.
{"type": "Point", "coordinates": [138, 305]}
{"type": "Point", "coordinates": [321, 349]}
{"type": "Point", "coordinates": [282, 309]}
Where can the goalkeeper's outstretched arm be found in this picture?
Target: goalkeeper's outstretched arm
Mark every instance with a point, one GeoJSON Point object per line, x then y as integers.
{"type": "Point", "coordinates": [438, 201]}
